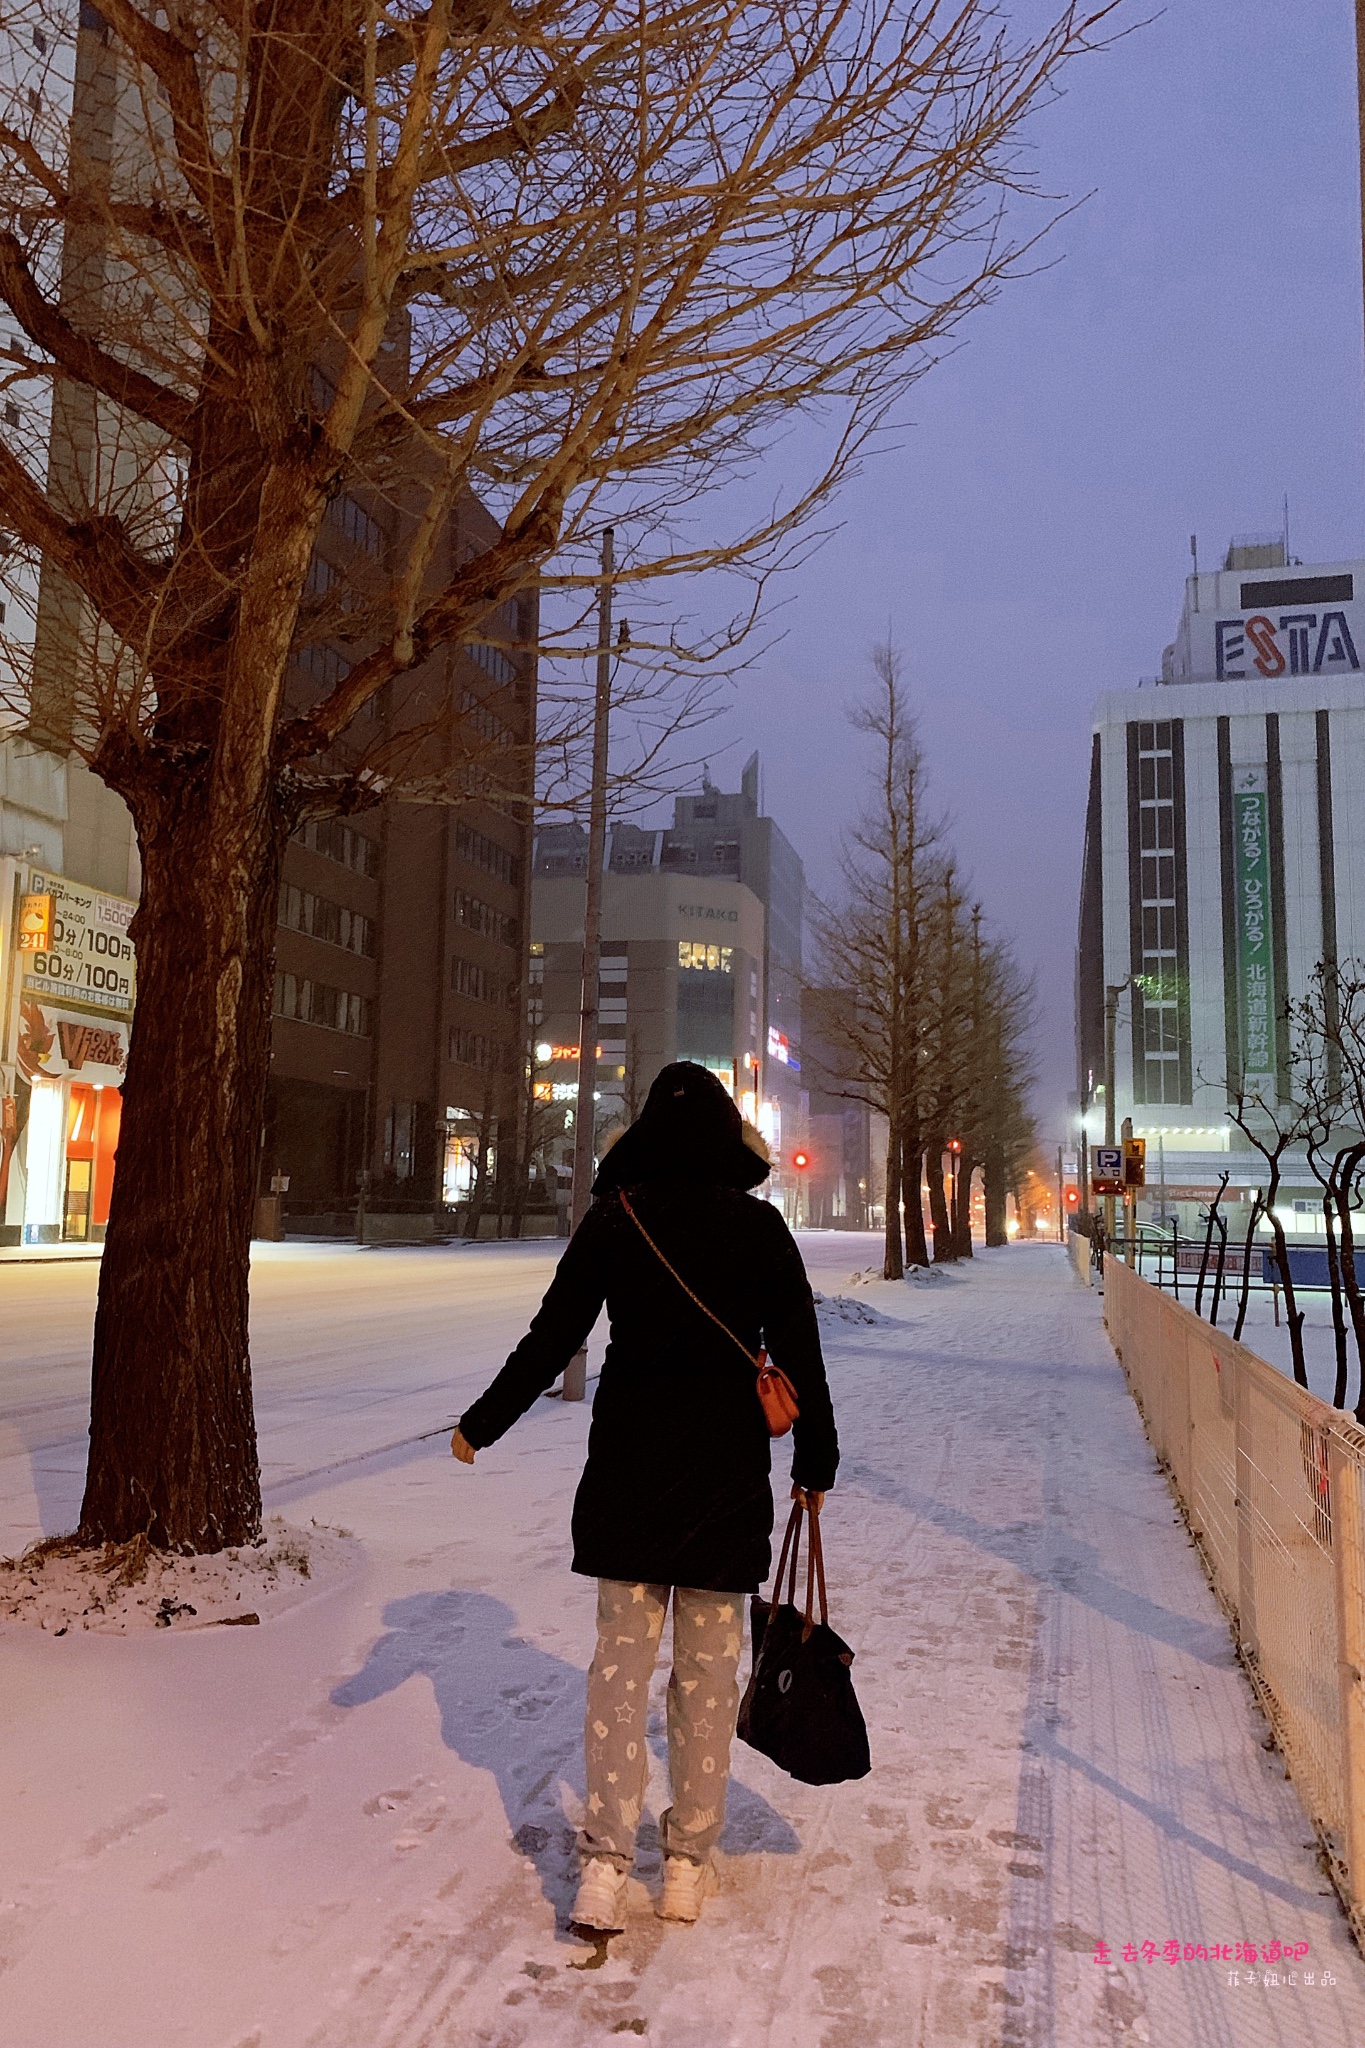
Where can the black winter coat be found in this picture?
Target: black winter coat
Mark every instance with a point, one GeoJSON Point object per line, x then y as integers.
{"type": "Point", "coordinates": [676, 1489]}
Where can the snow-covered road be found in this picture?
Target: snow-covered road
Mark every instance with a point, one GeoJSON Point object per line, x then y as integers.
{"type": "Point", "coordinates": [349, 1827]}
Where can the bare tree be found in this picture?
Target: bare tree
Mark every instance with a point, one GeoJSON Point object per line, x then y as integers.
{"type": "Point", "coordinates": [1321, 1117]}
{"type": "Point", "coordinates": [943, 1053]}
{"type": "Point", "coordinates": [293, 262]}
{"type": "Point", "coordinates": [1271, 1128]}
{"type": "Point", "coordinates": [872, 951]}
{"type": "Point", "coordinates": [1328, 1027]}
{"type": "Point", "coordinates": [921, 1017]}
{"type": "Point", "coordinates": [1006, 1133]}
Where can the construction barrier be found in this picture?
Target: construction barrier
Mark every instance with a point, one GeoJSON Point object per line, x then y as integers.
{"type": "Point", "coordinates": [1078, 1244]}
{"type": "Point", "coordinates": [1272, 1484]}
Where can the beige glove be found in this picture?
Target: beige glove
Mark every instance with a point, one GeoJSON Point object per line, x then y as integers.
{"type": "Point", "coordinates": [461, 1448]}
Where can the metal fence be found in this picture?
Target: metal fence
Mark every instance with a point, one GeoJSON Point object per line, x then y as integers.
{"type": "Point", "coordinates": [1207, 1275]}
{"type": "Point", "coordinates": [1272, 1484]}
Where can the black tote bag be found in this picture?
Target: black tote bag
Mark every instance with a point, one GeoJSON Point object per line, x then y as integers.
{"type": "Point", "coordinates": [799, 1707]}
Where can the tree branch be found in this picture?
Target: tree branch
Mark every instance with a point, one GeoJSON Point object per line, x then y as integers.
{"type": "Point", "coordinates": [81, 358]}
{"type": "Point", "coordinates": [95, 553]}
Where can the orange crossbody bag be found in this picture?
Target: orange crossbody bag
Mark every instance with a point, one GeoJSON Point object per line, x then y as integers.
{"type": "Point", "coordinates": [776, 1394]}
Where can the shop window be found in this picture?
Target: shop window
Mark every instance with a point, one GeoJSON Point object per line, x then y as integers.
{"type": "Point", "coordinates": [80, 1175]}
{"type": "Point", "coordinates": [695, 953]}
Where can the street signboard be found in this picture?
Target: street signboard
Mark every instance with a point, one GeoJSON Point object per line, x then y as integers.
{"type": "Point", "coordinates": [87, 962]}
{"type": "Point", "coordinates": [1135, 1162]}
{"type": "Point", "coordinates": [1106, 1169]}
{"type": "Point", "coordinates": [35, 923]}
{"type": "Point", "coordinates": [1256, 996]}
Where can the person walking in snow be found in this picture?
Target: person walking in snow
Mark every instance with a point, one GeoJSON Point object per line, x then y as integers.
{"type": "Point", "coordinates": [675, 1498]}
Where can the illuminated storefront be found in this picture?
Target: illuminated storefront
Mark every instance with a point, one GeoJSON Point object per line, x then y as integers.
{"type": "Point", "coordinates": [67, 989]}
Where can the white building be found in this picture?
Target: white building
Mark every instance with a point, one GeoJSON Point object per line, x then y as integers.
{"type": "Point", "coordinates": [1224, 857]}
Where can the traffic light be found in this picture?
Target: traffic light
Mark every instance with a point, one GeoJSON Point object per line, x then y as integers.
{"type": "Point", "coordinates": [1073, 1198]}
{"type": "Point", "coordinates": [800, 1160]}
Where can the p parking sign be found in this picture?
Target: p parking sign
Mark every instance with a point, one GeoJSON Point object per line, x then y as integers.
{"type": "Point", "coordinates": [1106, 1169]}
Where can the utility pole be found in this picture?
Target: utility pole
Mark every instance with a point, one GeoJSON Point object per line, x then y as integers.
{"type": "Point", "coordinates": [1111, 1018]}
{"type": "Point", "coordinates": [576, 1372]}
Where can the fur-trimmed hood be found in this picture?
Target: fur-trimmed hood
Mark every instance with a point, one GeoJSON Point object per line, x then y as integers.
{"type": "Point", "coordinates": [689, 1129]}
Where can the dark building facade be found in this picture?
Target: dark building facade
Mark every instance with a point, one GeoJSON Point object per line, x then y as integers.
{"type": "Point", "coordinates": [399, 1041]}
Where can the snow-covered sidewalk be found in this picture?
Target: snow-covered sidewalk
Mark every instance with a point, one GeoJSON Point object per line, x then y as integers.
{"type": "Point", "coordinates": [349, 1827]}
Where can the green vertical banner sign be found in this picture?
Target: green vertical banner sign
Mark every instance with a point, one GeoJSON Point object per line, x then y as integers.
{"type": "Point", "coordinates": [1255, 952]}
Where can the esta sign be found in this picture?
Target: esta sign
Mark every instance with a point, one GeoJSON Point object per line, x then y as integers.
{"type": "Point", "coordinates": [1310, 642]}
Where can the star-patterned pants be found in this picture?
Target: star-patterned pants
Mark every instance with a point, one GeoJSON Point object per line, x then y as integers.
{"type": "Point", "coordinates": [703, 1699]}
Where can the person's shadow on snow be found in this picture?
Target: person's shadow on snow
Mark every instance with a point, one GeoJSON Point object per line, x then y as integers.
{"type": "Point", "coordinates": [512, 1709]}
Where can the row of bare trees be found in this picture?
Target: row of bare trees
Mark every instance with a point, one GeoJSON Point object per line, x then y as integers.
{"type": "Point", "coordinates": [924, 1018]}
{"type": "Point", "coordinates": [1324, 1113]}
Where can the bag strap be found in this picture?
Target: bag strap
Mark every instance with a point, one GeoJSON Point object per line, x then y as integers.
{"type": "Point", "coordinates": [815, 1568]}
{"type": "Point", "coordinates": [756, 1363]}
{"type": "Point", "coordinates": [793, 1531]}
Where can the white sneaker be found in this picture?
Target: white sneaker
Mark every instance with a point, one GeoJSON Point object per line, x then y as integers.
{"type": "Point", "coordinates": [686, 1885]}
{"type": "Point", "coordinates": [601, 1901]}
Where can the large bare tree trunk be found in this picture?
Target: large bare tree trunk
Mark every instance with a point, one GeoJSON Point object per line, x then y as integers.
{"type": "Point", "coordinates": [916, 1246]}
{"type": "Point", "coordinates": [962, 1207]}
{"type": "Point", "coordinates": [172, 1435]}
{"type": "Point", "coordinates": [893, 1264]}
{"type": "Point", "coordinates": [996, 1193]}
{"type": "Point", "coordinates": [938, 1203]}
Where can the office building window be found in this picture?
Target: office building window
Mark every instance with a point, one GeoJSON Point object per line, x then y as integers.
{"type": "Point", "coordinates": [312, 1002]}
{"type": "Point", "coordinates": [470, 978]}
{"type": "Point", "coordinates": [472, 914]}
{"type": "Point", "coordinates": [359, 528]}
{"type": "Point", "coordinates": [482, 852]}
{"type": "Point", "coordinates": [1160, 1051]}
{"type": "Point", "coordinates": [335, 841]}
{"type": "Point", "coordinates": [477, 1049]}
{"type": "Point", "coordinates": [491, 660]}
{"type": "Point", "coordinates": [611, 1005]}
{"type": "Point", "coordinates": [331, 922]}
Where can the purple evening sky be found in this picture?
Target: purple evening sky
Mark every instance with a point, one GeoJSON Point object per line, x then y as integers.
{"type": "Point", "coordinates": [1194, 355]}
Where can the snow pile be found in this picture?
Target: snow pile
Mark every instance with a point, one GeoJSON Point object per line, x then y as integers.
{"type": "Point", "coordinates": [60, 1587]}
{"type": "Point", "coordinates": [872, 1276]}
{"type": "Point", "coordinates": [837, 1308]}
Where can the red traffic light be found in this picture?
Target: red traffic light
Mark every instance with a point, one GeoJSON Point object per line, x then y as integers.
{"type": "Point", "coordinates": [1073, 1198]}
{"type": "Point", "coordinates": [800, 1160]}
